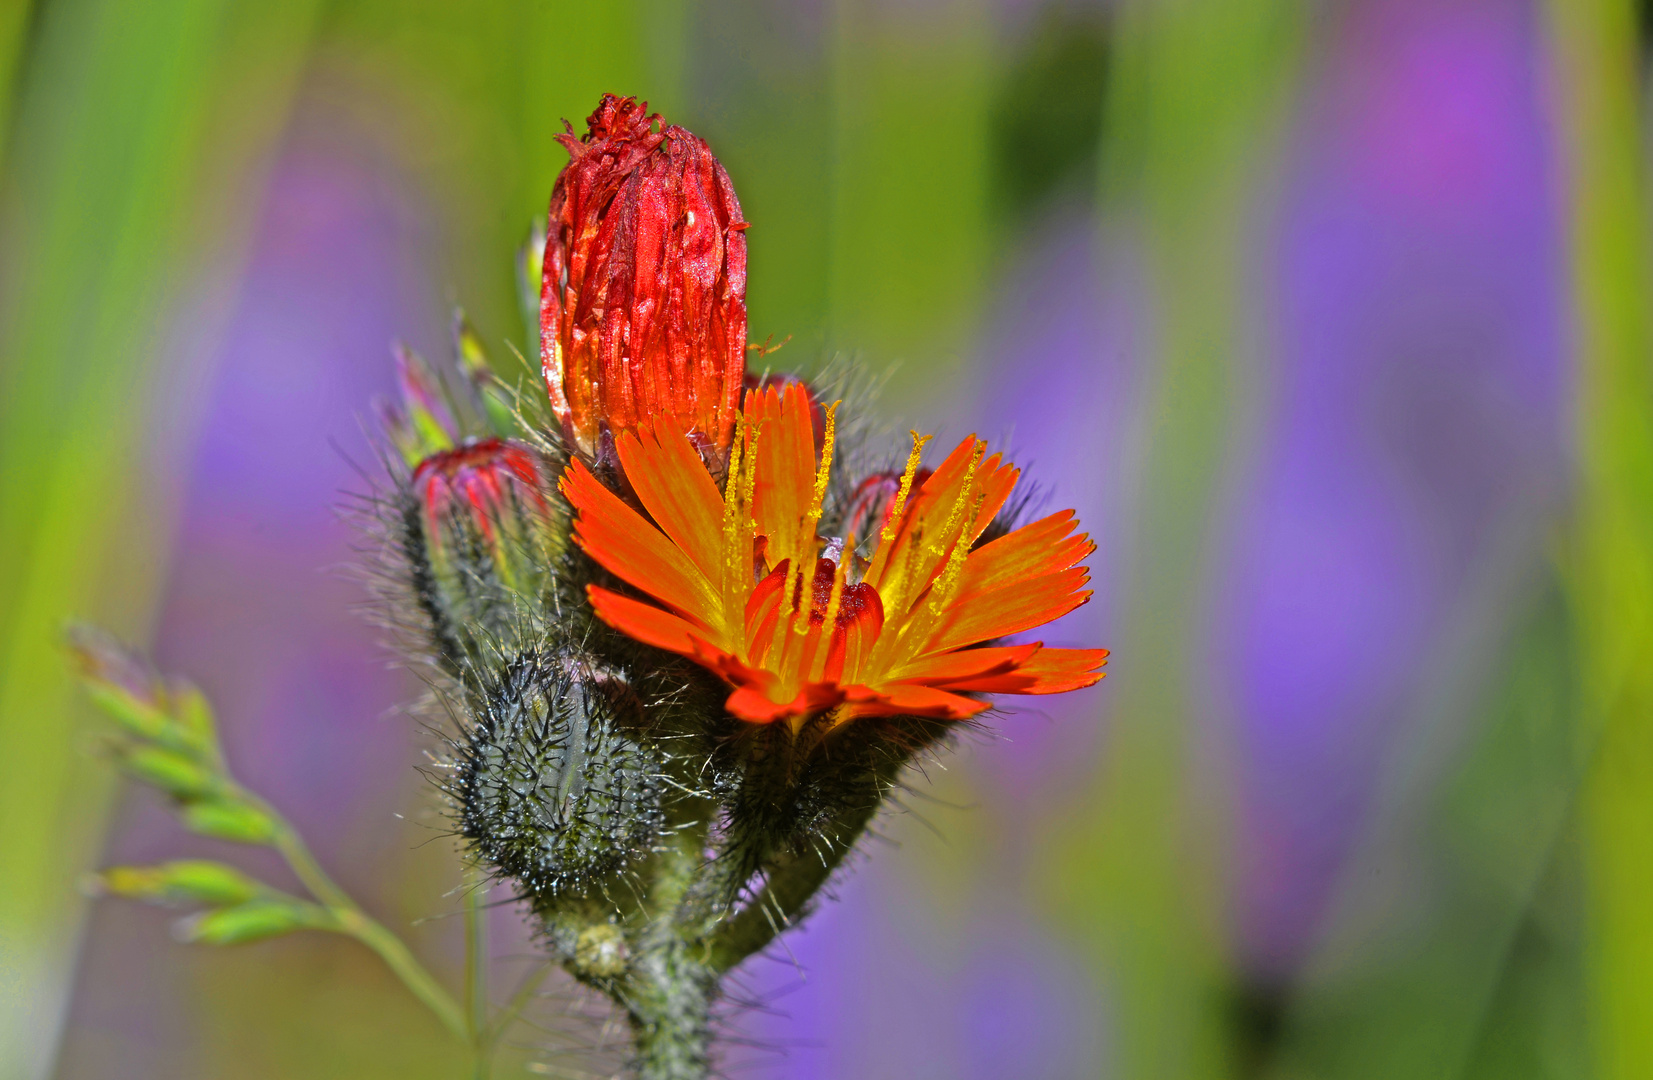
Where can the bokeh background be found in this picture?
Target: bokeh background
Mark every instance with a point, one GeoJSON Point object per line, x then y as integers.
{"type": "Point", "coordinates": [1332, 319]}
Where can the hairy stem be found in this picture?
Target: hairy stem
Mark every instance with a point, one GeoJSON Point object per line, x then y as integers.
{"type": "Point", "coordinates": [793, 882]}
{"type": "Point", "coordinates": [669, 999]}
{"type": "Point", "coordinates": [667, 995]}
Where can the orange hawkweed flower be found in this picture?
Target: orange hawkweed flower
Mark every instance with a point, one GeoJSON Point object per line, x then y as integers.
{"type": "Point", "coordinates": [741, 586]}
{"type": "Point", "coordinates": [643, 296]}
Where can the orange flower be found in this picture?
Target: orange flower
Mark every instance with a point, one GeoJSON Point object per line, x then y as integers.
{"type": "Point", "coordinates": [742, 586]}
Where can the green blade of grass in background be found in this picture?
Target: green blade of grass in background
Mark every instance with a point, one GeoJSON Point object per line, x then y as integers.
{"type": "Point", "coordinates": [763, 102]}
{"type": "Point", "coordinates": [467, 100]}
{"type": "Point", "coordinates": [14, 28]}
{"type": "Point", "coordinates": [140, 128]}
{"type": "Point", "coordinates": [1610, 563]}
{"type": "Point", "coordinates": [1450, 949]}
{"type": "Point", "coordinates": [1198, 91]}
{"type": "Point", "coordinates": [908, 244]}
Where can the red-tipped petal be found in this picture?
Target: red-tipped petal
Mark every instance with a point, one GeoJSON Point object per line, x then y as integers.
{"type": "Point", "coordinates": [901, 699]}
{"type": "Point", "coordinates": [1057, 671]}
{"type": "Point", "coordinates": [945, 669]}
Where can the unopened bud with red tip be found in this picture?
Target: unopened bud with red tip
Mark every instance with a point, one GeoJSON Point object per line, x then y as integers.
{"type": "Point", "coordinates": [873, 499]}
{"type": "Point", "coordinates": [483, 539]}
{"type": "Point", "coordinates": [643, 294]}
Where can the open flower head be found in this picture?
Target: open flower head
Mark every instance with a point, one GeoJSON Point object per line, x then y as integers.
{"type": "Point", "coordinates": [643, 295]}
{"type": "Point", "coordinates": [742, 583]}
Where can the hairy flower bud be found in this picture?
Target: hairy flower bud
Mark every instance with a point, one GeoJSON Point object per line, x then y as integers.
{"type": "Point", "coordinates": [557, 785]}
{"type": "Point", "coordinates": [643, 295]}
{"type": "Point", "coordinates": [481, 539]}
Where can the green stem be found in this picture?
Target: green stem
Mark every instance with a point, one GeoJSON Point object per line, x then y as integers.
{"type": "Point", "coordinates": [793, 882]}
{"type": "Point", "coordinates": [519, 1001]}
{"type": "Point", "coordinates": [358, 924]}
{"type": "Point", "coordinates": [396, 956]}
{"type": "Point", "coordinates": [476, 971]}
{"type": "Point", "coordinates": [667, 995]}
{"type": "Point", "coordinates": [669, 998]}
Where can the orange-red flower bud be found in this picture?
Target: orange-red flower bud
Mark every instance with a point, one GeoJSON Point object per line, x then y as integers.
{"type": "Point", "coordinates": [484, 541]}
{"type": "Point", "coordinates": [643, 294]}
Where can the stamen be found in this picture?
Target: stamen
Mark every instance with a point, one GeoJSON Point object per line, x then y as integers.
{"type": "Point", "coordinates": [947, 584]}
{"type": "Point", "coordinates": [892, 523]}
{"type": "Point", "coordinates": [909, 630]}
{"type": "Point", "coordinates": [916, 634]}
{"type": "Point", "coordinates": [907, 475]}
{"type": "Point", "coordinates": [956, 517]}
{"type": "Point", "coordinates": [824, 469]}
{"type": "Point", "coordinates": [737, 528]}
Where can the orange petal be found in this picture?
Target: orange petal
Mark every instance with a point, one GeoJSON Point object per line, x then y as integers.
{"type": "Point", "coordinates": [750, 703]}
{"type": "Point", "coordinates": [1043, 547]}
{"type": "Point", "coordinates": [645, 622]}
{"type": "Point", "coordinates": [785, 488]}
{"type": "Point", "coordinates": [1060, 670]}
{"type": "Point", "coordinates": [1048, 671]}
{"type": "Point", "coordinates": [1019, 606]}
{"type": "Point", "coordinates": [753, 705]}
{"type": "Point", "coordinates": [763, 610]}
{"type": "Point", "coordinates": [891, 557]}
{"type": "Point", "coordinates": [901, 699]}
{"type": "Point", "coordinates": [674, 487]}
{"type": "Point", "coordinates": [944, 669]}
{"type": "Point", "coordinates": [620, 540]}
{"type": "Point", "coordinates": [997, 482]}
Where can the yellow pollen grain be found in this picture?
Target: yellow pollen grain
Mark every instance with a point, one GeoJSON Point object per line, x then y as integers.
{"type": "Point", "coordinates": [737, 529]}
{"type": "Point", "coordinates": [956, 517]}
{"type": "Point", "coordinates": [878, 571]}
{"type": "Point", "coordinates": [915, 571]}
{"type": "Point", "coordinates": [907, 475]}
{"type": "Point", "coordinates": [947, 584]}
{"type": "Point", "coordinates": [824, 470]}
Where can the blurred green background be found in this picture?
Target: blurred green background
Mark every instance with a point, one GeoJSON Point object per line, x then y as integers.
{"type": "Point", "coordinates": [1334, 320]}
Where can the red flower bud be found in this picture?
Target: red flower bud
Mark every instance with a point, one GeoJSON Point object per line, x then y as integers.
{"type": "Point", "coordinates": [873, 499]}
{"type": "Point", "coordinates": [487, 485]}
{"type": "Point", "coordinates": [643, 295]}
{"type": "Point", "coordinates": [485, 540]}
